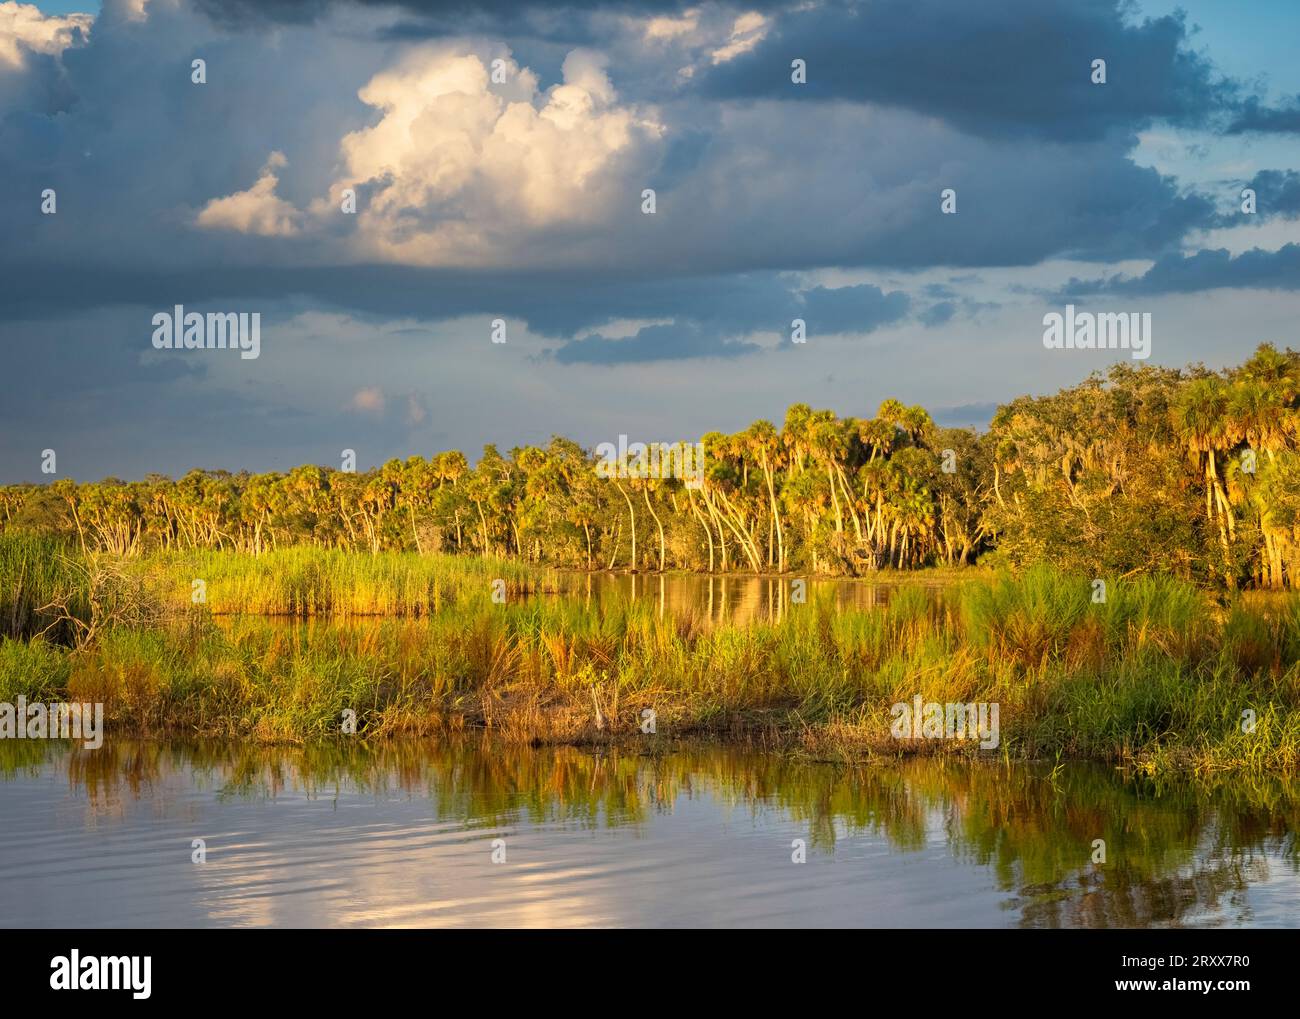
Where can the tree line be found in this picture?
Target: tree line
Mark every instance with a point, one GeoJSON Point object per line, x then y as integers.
{"type": "Point", "coordinates": [1191, 472]}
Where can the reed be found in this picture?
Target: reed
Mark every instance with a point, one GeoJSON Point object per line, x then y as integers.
{"type": "Point", "coordinates": [1159, 674]}
{"type": "Point", "coordinates": [308, 581]}
{"type": "Point", "coordinates": [299, 582]}
{"type": "Point", "coordinates": [34, 571]}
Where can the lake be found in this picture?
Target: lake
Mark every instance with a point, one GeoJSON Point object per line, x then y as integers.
{"type": "Point", "coordinates": [739, 600]}
{"type": "Point", "coordinates": [470, 833]}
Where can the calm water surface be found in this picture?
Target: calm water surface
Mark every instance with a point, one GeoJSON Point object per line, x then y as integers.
{"type": "Point", "coordinates": [739, 600]}
{"type": "Point", "coordinates": [403, 834]}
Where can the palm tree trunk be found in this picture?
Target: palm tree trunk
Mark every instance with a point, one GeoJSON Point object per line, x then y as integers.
{"type": "Point", "coordinates": [483, 524]}
{"type": "Point", "coordinates": [613, 555]}
{"type": "Point", "coordinates": [631, 510]}
{"type": "Point", "coordinates": [414, 532]}
{"type": "Point", "coordinates": [776, 516]}
{"type": "Point", "coordinates": [839, 517]}
{"type": "Point", "coordinates": [708, 531]}
{"type": "Point", "coordinates": [715, 517]}
{"type": "Point", "coordinates": [658, 523]}
{"type": "Point", "coordinates": [848, 498]}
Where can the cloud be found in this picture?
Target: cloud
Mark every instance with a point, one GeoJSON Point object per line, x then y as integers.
{"type": "Point", "coordinates": [938, 314]}
{"type": "Point", "coordinates": [1017, 67]}
{"type": "Point", "coordinates": [24, 30]}
{"type": "Point", "coordinates": [747, 32]}
{"type": "Point", "coordinates": [255, 211]}
{"type": "Point", "coordinates": [966, 415]}
{"type": "Point", "coordinates": [673, 342]}
{"type": "Point", "coordinates": [479, 199]}
{"type": "Point", "coordinates": [714, 328]}
{"type": "Point", "coordinates": [857, 309]}
{"type": "Point", "coordinates": [1255, 116]}
{"type": "Point", "coordinates": [510, 13]}
{"type": "Point", "coordinates": [458, 170]}
{"type": "Point", "coordinates": [455, 171]}
{"type": "Point", "coordinates": [1277, 193]}
{"type": "Point", "coordinates": [1204, 270]}
{"type": "Point", "coordinates": [368, 400]}
{"type": "Point", "coordinates": [666, 27]}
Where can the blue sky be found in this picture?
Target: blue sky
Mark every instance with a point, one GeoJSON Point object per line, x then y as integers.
{"type": "Point", "coordinates": [67, 6]}
{"type": "Point", "coordinates": [498, 153]}
{"type": "Point", "coordinates": [1245, 39]}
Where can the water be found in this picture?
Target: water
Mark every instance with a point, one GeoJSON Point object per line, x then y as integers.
{"type": "Point", "coordinates": [403, 834]}
{"type": "Point", "coordinates": [740, 600]}
{"type": "Point", "coordinates": [707, 600]}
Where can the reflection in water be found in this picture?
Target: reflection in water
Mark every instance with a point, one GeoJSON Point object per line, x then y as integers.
{"type": "Point", "coordinates": [737, 599]}
{"type": "Point", "coordinates": [701, 599]}
{"type": "Point", "coordinates": [401, 833]}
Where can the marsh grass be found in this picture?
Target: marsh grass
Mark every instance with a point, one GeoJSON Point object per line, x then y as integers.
{"type": "Point", "coordinates": [1158, 675]}
{"type": "Point", "coordinates": [34, 572]}
{"type": "Point", "coordinates": [308, 581]}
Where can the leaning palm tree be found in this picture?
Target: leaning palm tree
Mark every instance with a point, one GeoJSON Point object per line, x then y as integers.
{"type": "Point", "coordinates": [1199, 417]}
{"type": "Point", "coordinates": [765, 444]}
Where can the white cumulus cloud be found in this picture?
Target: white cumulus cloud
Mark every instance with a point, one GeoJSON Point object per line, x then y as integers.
{"type": "Point", "coordinates": [459, 169]}
{"type": "Point", "coordinates": [23, 27]}
{"type": "Point", "coordinates": [259, 210]}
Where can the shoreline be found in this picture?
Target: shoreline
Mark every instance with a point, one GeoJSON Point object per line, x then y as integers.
{"type": "Point", "coordinates": [1158, 674]}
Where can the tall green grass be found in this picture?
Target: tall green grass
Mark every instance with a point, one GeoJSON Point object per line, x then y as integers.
{"type": "Point", "coordinates": [299, 582]}
{"type": "Point", "coordinates": [34, 570]}
{"type": "Point", "coordinates": [1158, 674]}
{"type": "Point", "coordinates": [307, 581]}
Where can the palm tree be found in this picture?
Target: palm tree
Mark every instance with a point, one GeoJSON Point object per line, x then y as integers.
{"type": "Point", "coordinates": [1199, 417]}
{"type": "Point", "coordinates": [795, 435]}
{"type": "Point", "coordinates": [766, 444]}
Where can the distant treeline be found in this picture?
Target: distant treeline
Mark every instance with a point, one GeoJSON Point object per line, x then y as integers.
{"type": "Point", "coordinates": [1191, 472]}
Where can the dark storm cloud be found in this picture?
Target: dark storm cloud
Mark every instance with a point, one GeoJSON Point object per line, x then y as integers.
{"type": "Point", "coordinates": [1277, 196]}
{"type": "Point", "coordinates": [138, 149]}
{"type": "Point", "coordinates": [783, 186]}
{"type": "Point", "coordinates": [858, 309]}
{"type": "Point", "coordinates": [303, 11]}
{"type": "Point", "coordinates": [767, 187]}
{"type": "Point", "coordinates": [1255, 116]}
{"type": "Point", "coordinates": [546, 20]}
{"type": "Point", "coordinates": [555, 305]}
{"type": "Point", "coordinates": [670, 342]}
{"type": "Point", "coordinates": [1277, 193]}
{"type": "Point", "coordinates": [1205, 270]}
{"type": "Point", "coordinates": [723, 314]}
{"type": "Point", "coordinates": [731, 305]}
{"type": "Point", "coordinates": [1015, 67]}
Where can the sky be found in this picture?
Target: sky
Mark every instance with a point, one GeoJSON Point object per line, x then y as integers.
{"type": "Point", "coordinates": [498, 155]}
